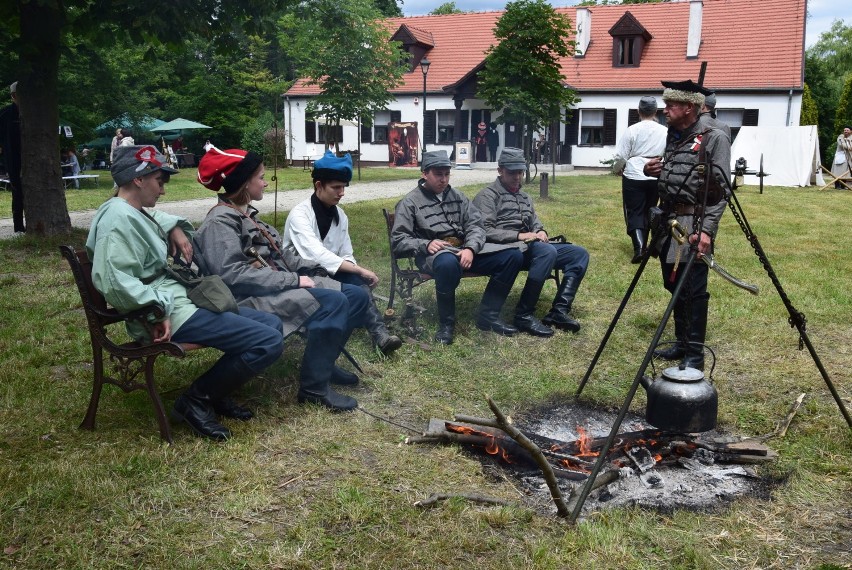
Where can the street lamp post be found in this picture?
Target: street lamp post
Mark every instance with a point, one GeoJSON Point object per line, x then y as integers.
{"type": "Point", "coordinates": [424, 67]}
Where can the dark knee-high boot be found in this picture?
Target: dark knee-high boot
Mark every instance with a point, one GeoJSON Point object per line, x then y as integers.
{"type": "Point", "coordinates": [375, 325]}
{"type": "Point", "coordinates": [558, 316]}
{"type": "Point", "coordinates": [197, 406]}
{"type": "Point", "coordinates": [696, 333]}
{"type": "Point", "coordinates": [318, 368]}
{"type": "Point", "coordinates": [488, 318]}
{"type": "Point", "coordinates": [639, 240]}
{"type": "Point", "coordinates": [677, 350]}
{"type": "Point", "coordinates": [446, 316]}
{"type": "Point", "coordinates": [525, 319]}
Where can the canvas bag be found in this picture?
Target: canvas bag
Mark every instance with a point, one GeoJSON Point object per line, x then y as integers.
{"type": "Point", "coordinates": [206, 292]}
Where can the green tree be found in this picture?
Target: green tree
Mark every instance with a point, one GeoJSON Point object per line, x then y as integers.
{"type": "Point", "coordinates": [827, 63]}
{"type": "Point", "coordinates": [342, 47]}
{"type": "Point", "coordinates": [521, 74]}
{"type": "Point", "coordinates": [388, 8]}
{"type": "Point", "coordinates": [37, 30]}
{"type": "Point", "coordinates": [843, 115]}
{"type": "Point", "coordinates": [810, 111]}
{"type": "Point", "coordinates": [446, 8]}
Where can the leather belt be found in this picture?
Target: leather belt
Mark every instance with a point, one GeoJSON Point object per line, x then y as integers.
{"type": "Point", "coordinates": [684, 209]}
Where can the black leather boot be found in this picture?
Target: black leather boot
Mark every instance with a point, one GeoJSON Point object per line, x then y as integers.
{"type": "Point", "coordinates": [525, 320]}
{"type": "Point", "coordinates": [639, 240]}
{"type": "Point", "coordinates": [446, 317]}
{"type": "Point", "coordinates": [228, 408]}
{"type": "Point", "coordinates": [488, 318]}
{"type": "Point", "coordinates": [207, 396]}
{"type": "Point", "coordinates": [558, 316]}
{"type": "Point", "coordinates": [343, 377]}
{"type": "Point", "coordinates": [196, 410]}
{"type": "Point", "coordinates": [321, 351]}
{"type": "Point", "coordinates": [676, 350]}
{"type": "Point", "coordinates": [375, 325]}
{"type": "Point", "coordinates": [696, 333]}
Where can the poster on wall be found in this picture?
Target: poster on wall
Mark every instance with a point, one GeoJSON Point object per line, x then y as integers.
{"type": "Point", "coordinates": [403, 144]}
{"type": "Point", "coordinates": [463, 152]}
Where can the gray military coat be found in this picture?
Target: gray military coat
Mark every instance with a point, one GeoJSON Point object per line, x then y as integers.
{"type": "Point", "coordinates": [505, 215]}
{"type": "Point", "coordinates": [421, 216]}
{"type": "Point", "coordinates": [680, 184]}
{"type": "Point", "coordinates": [220, 248]}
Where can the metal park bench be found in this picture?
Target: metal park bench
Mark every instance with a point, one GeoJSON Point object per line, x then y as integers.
{"type": "Point", "coordinates": [405, 276]}
{"type": "Point", "coordinates": [131, 363]}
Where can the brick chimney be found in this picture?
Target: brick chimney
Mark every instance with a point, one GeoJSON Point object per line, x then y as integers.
{"type": "Point", "coordinates": [584, 31]}
{"type": "Point", "coordinates": [693, 39]}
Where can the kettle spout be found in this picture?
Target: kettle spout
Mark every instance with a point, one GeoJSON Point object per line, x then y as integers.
{"type": "Point", "coordinates": [646, 382]}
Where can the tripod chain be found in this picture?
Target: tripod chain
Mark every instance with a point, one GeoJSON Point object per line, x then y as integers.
{"type": "Point", "coordinates": [797, 319]}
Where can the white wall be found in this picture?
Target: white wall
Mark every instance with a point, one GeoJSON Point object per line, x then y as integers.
{"type": "Point", "coordinates": [773, 113]}
{"type": "Point", "coordinates": [378, 152]}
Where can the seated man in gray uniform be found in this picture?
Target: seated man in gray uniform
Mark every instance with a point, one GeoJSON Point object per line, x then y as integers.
{"type": "Point", "coordinates": [510, 219]}
{"type": "Point", "coordinates": [443, 230]}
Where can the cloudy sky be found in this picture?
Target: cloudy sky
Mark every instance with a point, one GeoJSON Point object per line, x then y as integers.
{"type": "Point", "coordinates": [822, 12]}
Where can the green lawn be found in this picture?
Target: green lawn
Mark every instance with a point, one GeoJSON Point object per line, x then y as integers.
{"type": "Point", "coordinates": [302, 488]}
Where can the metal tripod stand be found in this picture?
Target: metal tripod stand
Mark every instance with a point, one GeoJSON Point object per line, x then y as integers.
{"type": "Point", "coordinates": [796, 319]}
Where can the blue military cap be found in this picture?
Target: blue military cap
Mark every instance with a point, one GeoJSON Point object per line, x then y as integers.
{"type": "Point", "coordinates": [332, 167]}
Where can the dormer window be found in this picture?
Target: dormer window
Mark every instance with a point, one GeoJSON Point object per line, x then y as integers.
{"type": "Point", "coordinates": [628, 41]}
{"type": "Point", "coordinates": [415, 44]}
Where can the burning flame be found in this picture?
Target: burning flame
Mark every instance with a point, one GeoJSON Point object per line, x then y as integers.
{"type": "Point", "coordinates": [584, 444]}
{"type": "Point", "coordinates": [491, 448]}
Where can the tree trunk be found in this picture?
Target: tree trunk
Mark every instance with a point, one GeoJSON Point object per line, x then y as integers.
{"type": "Point", "coordinates": [45, 208]}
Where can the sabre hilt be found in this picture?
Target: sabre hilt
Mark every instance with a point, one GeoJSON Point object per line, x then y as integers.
{"type": "Point", "coordinates": [252, 252]}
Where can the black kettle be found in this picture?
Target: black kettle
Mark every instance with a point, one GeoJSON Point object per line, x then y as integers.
{"type": "Point", "coordinates": [681, 400]}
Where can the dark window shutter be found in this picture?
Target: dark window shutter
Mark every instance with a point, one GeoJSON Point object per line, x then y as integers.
{"type": "Point", "coordinates": [610, 118]}
{"type": "Point", "coordinates": [632, 117]}
{"type": "Point", "coordinates": [572, 134]}
{"type": "Point", "coordinates": [464, 135]}
{"type": "Point", "coordinates": [396, 116]}
{"type": "Point", "coordinates": [366, 133]}
{"type": "Point", "coordinates": [339, 134]}
{"type": "Point", "coordinates": [429, 129]}
{"type": "Point", "coordinates": [310, 131]}
{"type": "Point", "coordinates": [750, 117]}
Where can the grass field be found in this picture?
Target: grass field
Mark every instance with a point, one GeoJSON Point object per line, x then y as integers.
{"type": "Point", "coordinates": [298, 487]}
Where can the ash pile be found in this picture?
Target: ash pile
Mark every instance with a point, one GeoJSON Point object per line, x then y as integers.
{"type": "Point", "coordinates": [645, 467]}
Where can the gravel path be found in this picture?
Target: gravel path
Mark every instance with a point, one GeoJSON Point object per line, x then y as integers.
{"type": "Point", "coordinates": [196, 210]}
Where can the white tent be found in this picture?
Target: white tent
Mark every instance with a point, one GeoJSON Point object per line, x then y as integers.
{"type": "Point", "coordinates": [790, 154]}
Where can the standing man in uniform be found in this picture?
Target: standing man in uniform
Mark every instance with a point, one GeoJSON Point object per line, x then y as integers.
{"type": "Point", "coordinates": [10, 131]}
{"type": "Point", "coordinates": [510, 219]}
{"type": "Point", "coordinates": [691, 137]}
{"type": "Point", "coordinates": [443, 230]}
{"type": "Point", "coordinates": [642, 141]}
{"type": "Point", "coordinates": [710, 108]}
{"type": "Point", "coordinates": [317, 230]}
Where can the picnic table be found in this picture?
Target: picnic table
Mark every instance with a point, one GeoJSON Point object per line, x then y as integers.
{"type": "Point", "coordinates": [69, 180]}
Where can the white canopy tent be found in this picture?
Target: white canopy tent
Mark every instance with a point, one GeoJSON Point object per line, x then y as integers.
{"type": "Point", "coordinates": [790, 155]}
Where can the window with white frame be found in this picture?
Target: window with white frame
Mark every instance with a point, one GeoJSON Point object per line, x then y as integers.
{"type": "Point", "coordinates": [446, 126]}
{"type": "Point", "coordinates": [591, 127]}
{"type": "Point", "coordinates": [380, 126]}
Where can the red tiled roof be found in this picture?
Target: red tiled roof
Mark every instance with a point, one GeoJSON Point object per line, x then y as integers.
{"type": "Point", "coordinates": [747, 45]}
{"type": "Point", "coordinates": [421, 36]}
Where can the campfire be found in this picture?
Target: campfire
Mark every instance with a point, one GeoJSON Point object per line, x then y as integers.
{"type": "Point", "coordinates": [646, 466]}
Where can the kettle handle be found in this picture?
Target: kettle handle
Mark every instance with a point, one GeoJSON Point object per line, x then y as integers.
{"type": "Point", "coordinates": [713, 366]}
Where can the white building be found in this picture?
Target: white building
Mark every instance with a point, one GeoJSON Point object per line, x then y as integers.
{"type": "Point", "coordinates": [754, 51]}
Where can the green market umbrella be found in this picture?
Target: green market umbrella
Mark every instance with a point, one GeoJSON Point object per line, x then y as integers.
{"type": "Point", "coordinates": [180, 125]}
